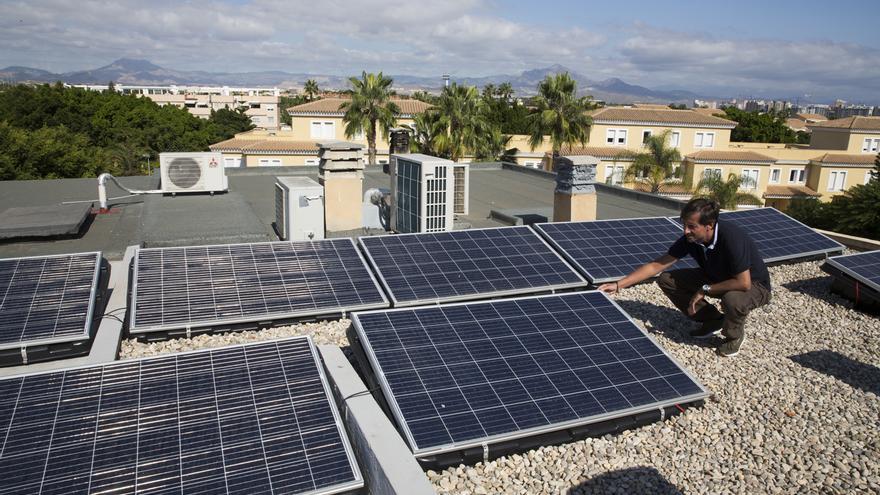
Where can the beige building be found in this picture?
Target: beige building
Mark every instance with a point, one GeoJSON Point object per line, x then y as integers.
{"type": "Point", "coordinates": [841, 153]}
{"type": "Point", "coordinates": [260, 104]}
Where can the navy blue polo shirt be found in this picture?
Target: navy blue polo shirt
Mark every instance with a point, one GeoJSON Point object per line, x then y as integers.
{"type": "Point", "coordinates": [732, 252]}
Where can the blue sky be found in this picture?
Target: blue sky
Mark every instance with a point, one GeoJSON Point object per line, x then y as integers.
{"type": "Point", "coordinates": [744, 48]}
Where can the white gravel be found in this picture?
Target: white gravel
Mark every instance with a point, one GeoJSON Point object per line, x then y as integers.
{"type": "Point", "coordinates": [772, 425]}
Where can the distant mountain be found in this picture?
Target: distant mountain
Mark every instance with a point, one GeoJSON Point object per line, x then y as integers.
{"type": "Point", "coordinates": [144, 73]}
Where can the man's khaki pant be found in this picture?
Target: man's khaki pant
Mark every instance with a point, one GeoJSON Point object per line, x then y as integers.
{"type": "Point", "coordinates": [681, 285]}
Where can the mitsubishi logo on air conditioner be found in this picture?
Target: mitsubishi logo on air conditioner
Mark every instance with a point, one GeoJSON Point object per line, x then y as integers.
{"type": "Point", "coordinates": [213, 163]}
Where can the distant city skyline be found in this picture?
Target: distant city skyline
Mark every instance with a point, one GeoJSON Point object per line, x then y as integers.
{"type": "Point", "coordinates": [808, 50]}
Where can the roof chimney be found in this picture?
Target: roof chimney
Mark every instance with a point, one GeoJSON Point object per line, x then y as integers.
{"type": "Point", "coordinates": [341, 172]}
{"type": "Point", "coordinates": [574, 199]}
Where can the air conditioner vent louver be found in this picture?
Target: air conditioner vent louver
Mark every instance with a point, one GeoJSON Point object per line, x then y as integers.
{"type": "Point", "coordinates": [184, 172]}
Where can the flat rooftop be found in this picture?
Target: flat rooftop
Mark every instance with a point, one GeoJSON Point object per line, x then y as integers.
{"type": "Point", "coordinates": [247, 212]}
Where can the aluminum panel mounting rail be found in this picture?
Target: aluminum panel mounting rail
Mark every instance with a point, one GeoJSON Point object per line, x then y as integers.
{"type": "Point", "coordinates": [48, 299]}
{"type": "Point", "coordinates": [255, 418]}
{"type": "Point", "coordinates": [608, 250]}
{"type": "Point", "coordinates": [438, 267]}
{"type": "Point", "coordinates": [469, 374]}
{"type": "Point", "coordinates": [225, 285]}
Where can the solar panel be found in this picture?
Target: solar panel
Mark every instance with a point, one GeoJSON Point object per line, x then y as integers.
{"type": "Point", "coordinates": [256, 418]}
{"type": "Point", "coordinates": [467, 264]}
{"type": "Point", "coordinates": [778, 236]}
{"type": "Point", "coordinates": [864, 267]}
{"type": "Point", "coordinates": [47, 300]}
{"type": "Point", "coordinates": [606, 250]}
{"type": "Point", "coordinates": [468, 374]}
{"type": "Point", "coordinates": [212, 286]}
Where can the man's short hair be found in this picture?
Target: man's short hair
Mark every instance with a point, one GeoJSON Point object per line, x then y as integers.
{"type": "Point", "coordinates": [707, 208]}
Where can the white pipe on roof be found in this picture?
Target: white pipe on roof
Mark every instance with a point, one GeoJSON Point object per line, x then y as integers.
{"type": "Point", "coordinates": [102, 189]}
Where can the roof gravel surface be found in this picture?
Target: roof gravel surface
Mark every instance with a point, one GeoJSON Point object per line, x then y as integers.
{"type": "Point", "coordinates": [795, 412]}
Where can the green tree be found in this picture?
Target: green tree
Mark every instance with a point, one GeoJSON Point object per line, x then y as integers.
{"type": "Point", "coordinates": [755, 127]}
{"type": "Point", "coordinates": [462, 114]}
{"type": "Point", "coordinates": [286, 102]}
{"type": "Point", "coordinates": [875, 174]}
{"type": "Point", "coordinates": [678, 106]}
{"type": "Point", "coordinates": [857, 211]}
{"type": "Point", "coordinates": [226, 122]}
{"type": "Point", "coordinates": [728, 192]}
{"type": "Point", "coordinates": [311, 90]}
{"type": "Point", "coordinates": [492, 146]}
{"type": "Point", "coordinates": [655, 166]}
{"type": "Point", "coordinates": [559, 113]}
{"type": "Point", "coordinates": [424, 96]}
{"type": "Point", "coordinates": [370, 105]}
{"type": "Point", "coordinates": [424, 131]}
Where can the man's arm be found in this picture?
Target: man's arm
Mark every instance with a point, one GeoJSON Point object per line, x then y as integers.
{"type": "Point", "coordinates": [741, 281]}
{"type": "Point", "coordinates": [640, 274]}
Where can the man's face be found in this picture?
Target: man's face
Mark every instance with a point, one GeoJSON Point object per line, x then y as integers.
{"type": "Point", "coordinates": [695, 232]}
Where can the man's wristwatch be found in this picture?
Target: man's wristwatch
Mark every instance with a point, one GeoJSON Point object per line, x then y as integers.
{"type": "Point", "coordinates": [705, 289]}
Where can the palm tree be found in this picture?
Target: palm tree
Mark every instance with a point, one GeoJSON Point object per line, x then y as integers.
{"type": "Point", "coordinates": [492, 146]}
{"type": "Point", "coordinates": [505, 91]}
{"type": "Point", "coordinates": [656, 165]}
{"type": "Point", "coordinates": [311, 89]}
{"type": "Point", "coordinates": [425, 130]}
{"type": "Point", "coordinates": [728, 192]}
{"type": "Point", "coordinates": [462, 113]}
{"type": "Point", "coordinates": [370, 105]}
{"type": "Point", "coordinates": [559, 113]}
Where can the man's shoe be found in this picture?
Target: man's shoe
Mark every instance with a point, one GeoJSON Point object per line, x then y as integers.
{"type": "Point", "coordinates": [708, 329]}
{"type": "Point", "coordinates": [730, 347]}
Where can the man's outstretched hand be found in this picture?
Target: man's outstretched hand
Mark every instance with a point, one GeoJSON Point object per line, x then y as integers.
{"type": "Point", "coordinates": [609, 288]}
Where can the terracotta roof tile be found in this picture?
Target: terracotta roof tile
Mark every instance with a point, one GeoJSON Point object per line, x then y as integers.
{"type": "Point", "coordinates": [234, 144]}
{"type": "Point", "coordinates": [328, 106]}
{"type": "Point", "coordinates": [597, 151]}
{"type": "Point", "coordinates": [265, 145]}
{"type": "Point", "coordinates": [812, 116]}
{"type": "Point", "coordinates": [658, 116]}
{"type": "Point", "coordinates": [843, 159]}
{"type": "Point", "coordinates": [852, 123]}
{"type": "Point", "coordinates": [789, 191]}
{"type": "Point", "coordinates": [728, 156]}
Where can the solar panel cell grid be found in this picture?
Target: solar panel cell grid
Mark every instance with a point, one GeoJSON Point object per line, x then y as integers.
{"type": "Point", "coordinates": [864, 267]}
{"type": "Point", "coordinates": [467, 264]}
{"type": "Point", "coordinates": [205, 285]}
{"type": "Point", "coordinates": [606, 250]}
{"type": "Point", "coordinates": [469, 373]}
{"type": "Point", "coordinates": [47, 299]}
{"type": "Point", "coordinates": [248, 419]}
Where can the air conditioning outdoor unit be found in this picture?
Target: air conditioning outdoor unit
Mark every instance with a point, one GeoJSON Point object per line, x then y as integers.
{"type": "Point", "coordinates": [299, 209]}
{"type": "Point", "coordinates": [192, 172]}
{"type": "Point", "coordinates": [461, 190]}
{"type": "Point", "coordinates": [422, 193]}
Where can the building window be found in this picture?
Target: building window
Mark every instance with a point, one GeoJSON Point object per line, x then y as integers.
{"type": "Point", "coordinates": [645, 135]}
{"type": "Point", "coordinates": [774, 176]}
{"type": "Point", "coordinates": [615, 137]}
{"type": "Point", "coordinates": [797, 175]}
{"type": "Point", "coordinates": [711, 172]}
{"type": "Point", "coordinates": [231, 162]}
{"type": "Point", "coordinates": [836, 180]}
{"type": "Point", "coordinates": [614, 174]}
{"type": "Point", "coordinates": [871, 145]}
{"type": "Point", "coordinates": [323, 130]}
{"type": "Point", "coordinates": [532, 164]}
{"type": "Point", "coordinates": [704, 140]}
{"type": "Point", "coordinates": [750, 178]}
{"type": "Point", "coordinates": [675, 140]}
{"type": "Point", "coordinates": [312, 161]}
{"type": "Point", "coordinates": [270, 162]}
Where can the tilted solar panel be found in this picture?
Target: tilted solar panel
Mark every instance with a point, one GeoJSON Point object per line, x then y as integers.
{"type": "Point", "coordinates": [467, 264]}
{"type": "Point", "coordinates": [864, 267]}
{"type": "Point", "coordinates": [212, 286]}
{"type": "Point", "coordinates": [778, 236]}
{"type": "Point", "coordinates": [606, 250]}
{"type": "Point", "coordinates": [48, 299]}
{"type": "Point", "coordinates": [246, 419]}
{"type": "Point", "coordinates": [468, 374]}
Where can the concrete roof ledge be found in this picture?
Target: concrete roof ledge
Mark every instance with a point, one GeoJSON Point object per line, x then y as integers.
{"type": "Point", "coordinates": [386, 462]}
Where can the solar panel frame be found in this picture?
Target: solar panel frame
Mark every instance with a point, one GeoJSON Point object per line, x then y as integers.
{"type": "Point", "coordinates": [841, 264]}
{"type": "Point", "coordinates": [356, 483]}
{"type": "Point", "coordinates": [528, 432]}
{"type": "Point", "coordinates": [88, 325]}
{"type": "Point", "coordinates": [791, 256]}
{"type": "Point", "coordinates": [683, 263]}
{"type": "Point", "coordinates": [134, 329]}
{"type": "Point", "coordinates": [582, 283]}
